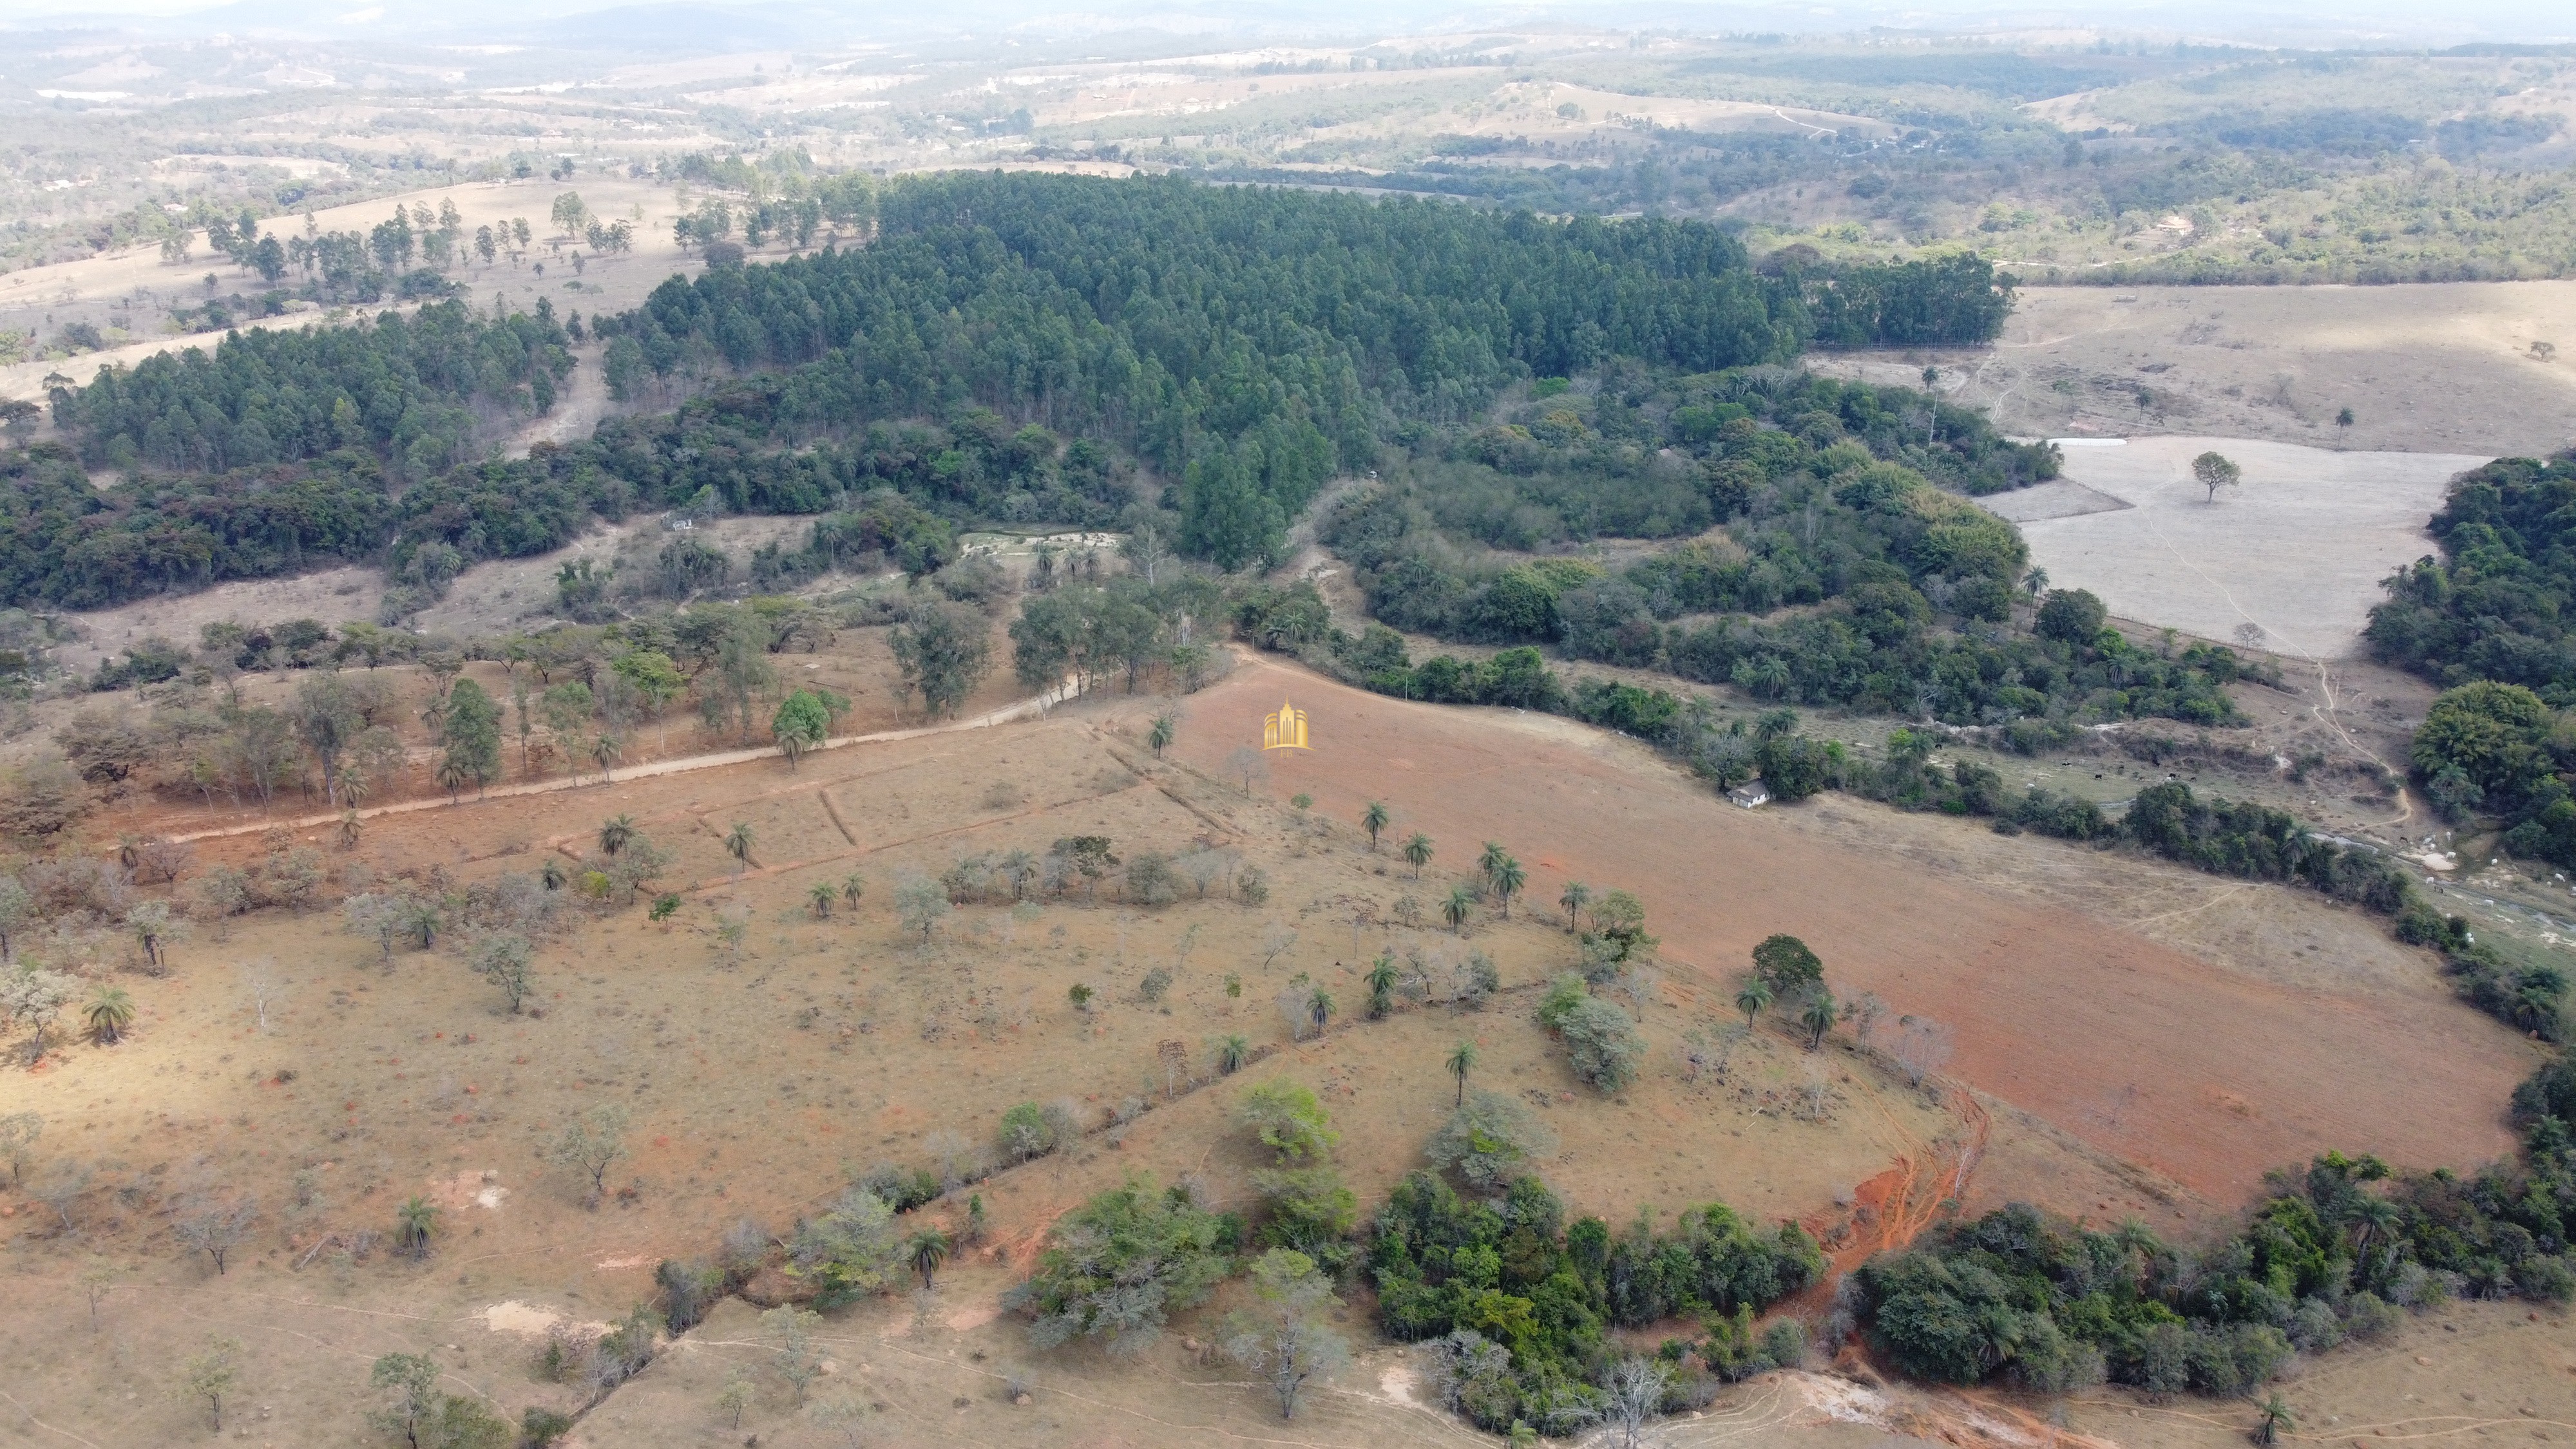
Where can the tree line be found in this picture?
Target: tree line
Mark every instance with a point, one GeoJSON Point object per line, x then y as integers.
{"type": "Point", "coordinates": [2493, 619]}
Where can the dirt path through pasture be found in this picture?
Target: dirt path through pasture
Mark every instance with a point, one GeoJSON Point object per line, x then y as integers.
{"type": "Point", "coordinates": [2054, 1011]}
{"type": "Point", "coordinates": [1022, 710]}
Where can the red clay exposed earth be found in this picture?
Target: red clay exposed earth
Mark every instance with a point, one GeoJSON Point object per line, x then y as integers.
{"type": "Point", "coordinates": [2055, 1012]}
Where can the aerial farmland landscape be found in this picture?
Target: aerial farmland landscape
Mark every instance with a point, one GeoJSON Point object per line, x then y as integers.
{"type": "Point", "coordinates": [807, 725]}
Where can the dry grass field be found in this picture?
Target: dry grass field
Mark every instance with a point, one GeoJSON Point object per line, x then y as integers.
{"type": "Point", "coordinates": [2430, 368]}
{"type": "Point", "coordinates": [2130, 1045]}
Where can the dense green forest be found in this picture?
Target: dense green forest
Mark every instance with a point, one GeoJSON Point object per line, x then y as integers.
{"type": "Point", "coordinates": [1887, 593]}
{"type": "Point", "coordinates": [1518, 1303]}
{"type": "Point", "coordinates": [401, 388]}
{"type": "Point", "coordinates": [1249, 343]}
{"type": "Point", "coordinates": [2333, 1253]}
{"type": "Point", "coordinates": [1003, 353]}
{"type": "Point", "coordinates": [2494, 619]}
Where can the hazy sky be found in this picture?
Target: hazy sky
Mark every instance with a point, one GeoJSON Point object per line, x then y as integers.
{"type": "Point", "coordinates": [2398, 22]}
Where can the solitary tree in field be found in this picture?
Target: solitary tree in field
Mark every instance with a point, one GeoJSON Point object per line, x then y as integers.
{"type": "Point", "coordinates": [1573, 899]}
{"type": "Point", "coordinates": [737, 843]}
{"type": "Point", "coordinates": [926, 1250]}
{"type": "Point", "coordinates": [1462, 899]}
{"type": "Point", "coordinates": [852, 885]}
{"type": "Point", "coordinates": [110, 1012]}
{"type": "Point", "coordinates": [1231, 1053]}
{"type": "Point", "coordinates": [801, 724]}
{"type": "Point", "coordinates": [1283, 1335]}
{"type": "Point", "coordinates": [590, 1146]}
{"type": "Point", "coordinates": [210, 1375]}
{"type": "Point", "coordinates": [1461, 1062]}
{"type": "Point", "coordinates": [2273, 1416]}
{"type": "Point", "coordinates": [920, 904]}
{"type": "Point", "coordinates": [97, 1281]}
{"type": "Point", "coordinates": [415, 1223]}
{"type": "Point", "coordinates": [2215, 472]}
{"type": "Point", "coordinates": [1752, 997]}
{"type": "Point", "coordinates": [1373, 820]}
{"type": "Point", "coordinates": [1508, 878]}
{"type": "Point", "coordinates": [1381, 981]}
{"type": "Point", "coordinates": [821, 895]}
{"type": "Point", "coordinates": [1785, 964]}
{"type": "Point", "coordinates": [1320, 1006]}
{"type": "Point", "coordinates": [1160, 736]}
{"type": "Point", "coordinates": [1818, 1017]}
{"type": "Point", "coordinates": [615, 833]}
{"type": "Point", "coordinates": [1417, 853]}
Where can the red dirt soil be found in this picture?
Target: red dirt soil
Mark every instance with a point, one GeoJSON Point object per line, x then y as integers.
{"type": "Point", "coordinates": [2055, 1012]}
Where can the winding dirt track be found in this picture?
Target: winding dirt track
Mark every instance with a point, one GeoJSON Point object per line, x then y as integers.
{"type": "Point", "coordinates": [2055, 1012]}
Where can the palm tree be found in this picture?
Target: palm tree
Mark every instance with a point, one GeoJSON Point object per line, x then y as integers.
{"type": "Point", "coordinates": [1462, 899]}
{"type": "Point", "coordinates": [1576, 896]}
{"type": "Point", "coordinates": [2274, 1417]}
{"type": "Point", "coordinates": [606, 751]}
{"type": "Point", "coordinates": [1231, 1053]}
{"type": "Point", "coordinates": [821, 895]}
{"type": "Point", "coordinates": [110, 1012]}
{"type": "Point", "coordinates": [1160, 736]}
{"type": "Point", "coordinates": [1492, 859]}
{"type": "Point", "coordinates": [350, 829]}
{"type": "Point", "coordinates": [1461, 1062]}
{"type": "Point", "coordinates": [414, 1222]}
{"type": "Point", "coordinates": [1752, 997]}
{"type": "Point", "coordinates": [452, 778]}
{"type": "Point", "coordinates": [1320, 1006]}
{"type": "Point", "coordinates": [737, 843]}
{"type": "Point", "coordinates": [2373, 1217]}
{"type": "Point", "coordinates": [1417, 853]}
{"type": "Point", "coordinates": [1508, 880]}
{"type": "Point", "coordinates": [1381, 986]}
{"type": "Point", "coordinates": [926, 1250]}
{"type": "Point", "coordinates": [615, 835]}
{"type": "Point", "coordinates": [1373, 820]}
{"type": "Point", "coordinates": [851, 888]}
{"type": "Point", "coordinates": [1818, 1017]}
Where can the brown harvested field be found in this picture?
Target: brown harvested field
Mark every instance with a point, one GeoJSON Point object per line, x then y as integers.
{"type": "Point", "coordinates": [2220, 1074]}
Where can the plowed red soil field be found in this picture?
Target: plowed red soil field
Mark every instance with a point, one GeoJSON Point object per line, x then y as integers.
{"type": "Point", "coordinates": [2218, 1077]}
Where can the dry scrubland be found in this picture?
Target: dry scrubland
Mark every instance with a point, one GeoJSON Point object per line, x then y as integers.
{"type": "Point", "coordinates": [133, 289]}
{"type": "Point", "coordinates": [2116, 1075]}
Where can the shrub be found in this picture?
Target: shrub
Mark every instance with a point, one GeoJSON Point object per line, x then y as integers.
{"type": "Point", "coordinates": [1309, 1209]}
{"type": "Point", "coordinates": [1025, 1133]}
{"type": "Point", "coordinates": [1115, 1268]}
{"type": "Point", "coordinates": [1563, 994]}
{"type": "Point", "coordinates": [1488, 1141]}
{"type": "Point", "coordinates": [1288, 1120]}
{"type": "Point", "coordinates": [849, 1252]}
{"type": "Point", "coordinates": [1601, 1044]}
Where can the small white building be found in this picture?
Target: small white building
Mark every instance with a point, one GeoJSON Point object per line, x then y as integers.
{"type": "Point", "coordinates": [1752, 794]}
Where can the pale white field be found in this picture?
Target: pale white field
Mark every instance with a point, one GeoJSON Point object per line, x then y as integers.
{"type": "Point", "coordinates": [2298, 549]}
